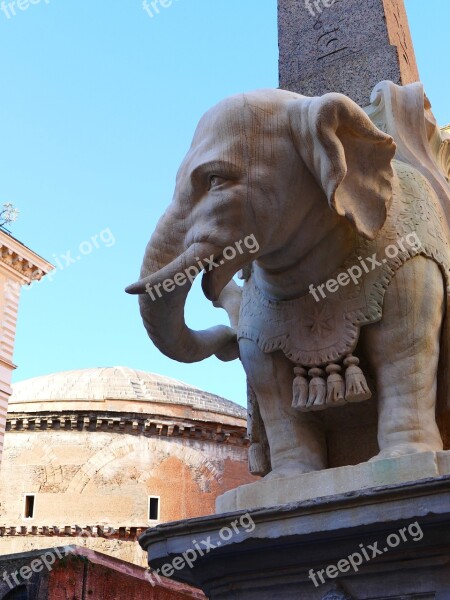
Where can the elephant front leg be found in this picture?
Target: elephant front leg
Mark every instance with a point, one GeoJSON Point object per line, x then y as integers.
{"type": "Point", "coordinates": [296, 440]}
{"type": "Point", "coordinates": [404, 351]}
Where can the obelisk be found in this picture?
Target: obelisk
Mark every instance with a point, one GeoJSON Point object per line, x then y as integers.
{"type": "Point", "coordinates": [345, 46]}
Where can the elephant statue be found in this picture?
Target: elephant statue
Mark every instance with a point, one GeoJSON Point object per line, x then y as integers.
{"type": "Point", "coordinates": [346, 278]}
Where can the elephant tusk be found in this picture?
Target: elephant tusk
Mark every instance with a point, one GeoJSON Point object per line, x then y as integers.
{"type": "Point", "coordinates": [190, 257]}
{"type": "Point", "coordinates": [139, 287]}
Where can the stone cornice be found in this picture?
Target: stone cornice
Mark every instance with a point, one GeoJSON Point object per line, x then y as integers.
{"type": "Point", "coordinates": [85, 531]}
{"type": "Point", "coordinates": [20, 261]}
{"type": "Point", "coordinates": [5, 388]}
{"type": "Point", "coordinates": [129, 423]}
{"type": "Point", "coordinates": [7, 363]}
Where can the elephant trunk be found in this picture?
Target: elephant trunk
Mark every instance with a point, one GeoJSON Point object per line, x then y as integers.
{"type": "Point", "coordinates": [162, 311]}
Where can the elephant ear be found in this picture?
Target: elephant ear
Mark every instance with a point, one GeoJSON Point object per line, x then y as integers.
{"type": "Point", "coordinates": [349, 157]}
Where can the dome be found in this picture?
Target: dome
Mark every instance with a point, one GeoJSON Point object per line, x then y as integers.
{"type": "Point", "coordinates": [95, 450]}
{"type": "Point", "coordinates": [119, 389]}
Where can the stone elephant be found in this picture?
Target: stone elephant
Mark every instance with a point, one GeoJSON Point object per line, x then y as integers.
{"type": "Point", "coordinates": [346, 295]}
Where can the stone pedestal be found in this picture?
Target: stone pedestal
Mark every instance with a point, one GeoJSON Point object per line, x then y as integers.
{"type": "Point", "coordinates": [391, 542]}
{"type": "Point", "coordinates": [332, 482]}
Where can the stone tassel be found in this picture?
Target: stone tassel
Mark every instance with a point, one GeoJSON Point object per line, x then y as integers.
{"type": "Point", "coordinates": [356, 388]}
{"type": "Point", "coordinates": [317, 390]}
{"type": "Point", "coordinates": [335, 385]}
{"type": "Point", "coordinates": [300, 389]}
{"type": "Point", "coordinates": [257, 459]}
{"type": "Point", "coordinates": [258, 453]}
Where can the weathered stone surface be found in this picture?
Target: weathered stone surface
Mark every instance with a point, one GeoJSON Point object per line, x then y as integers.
{"type": "Point", "coordinates": [94, 444]}
{"type": "Point", "coordinates": [345, 46]}
{"type": "Point", "coordinates": [275, 559]}
{"type": "Point", "coordinates": [269, 492]}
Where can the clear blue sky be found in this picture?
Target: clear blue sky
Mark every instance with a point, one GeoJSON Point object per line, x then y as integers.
{"type": "Point", "coordinates": [99, 102]}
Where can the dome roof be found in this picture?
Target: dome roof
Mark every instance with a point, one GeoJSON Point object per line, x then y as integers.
{"type": "Point", "coordinates": [118, 389]}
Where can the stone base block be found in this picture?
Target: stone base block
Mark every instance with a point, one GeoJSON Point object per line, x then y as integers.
{"type": "Point", "coordinates": [388, 543]}
{"type": "Point", "coordinates": [330, 482]}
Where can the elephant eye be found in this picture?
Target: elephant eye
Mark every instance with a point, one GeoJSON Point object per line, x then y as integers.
{"type": "Point", "coordinates": [215, 181]}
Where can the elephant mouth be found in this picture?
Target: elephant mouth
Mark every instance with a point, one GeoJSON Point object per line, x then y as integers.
{"type": "Point", "coordinates": [210, 285]}
{"type": "Point", "coordinates": [215, 279]}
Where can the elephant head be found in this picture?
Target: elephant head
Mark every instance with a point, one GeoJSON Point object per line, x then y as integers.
{"type": "Point", "coordinates": [272, 166]}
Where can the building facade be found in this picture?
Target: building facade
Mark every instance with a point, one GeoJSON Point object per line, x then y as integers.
{"type": "Point", "coordinates": [94, 457]}
{"type": "Point", "coordinates": [18, 266]}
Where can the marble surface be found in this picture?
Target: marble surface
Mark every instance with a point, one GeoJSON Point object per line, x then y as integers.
{"type": "Point", "coordinates": [341, 480]}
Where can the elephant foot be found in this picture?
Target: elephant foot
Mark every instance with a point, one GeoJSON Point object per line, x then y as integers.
{"type": "Point", "coordinates": [403, 450]}
{"type": "Point", "coordinates": [289, 471]}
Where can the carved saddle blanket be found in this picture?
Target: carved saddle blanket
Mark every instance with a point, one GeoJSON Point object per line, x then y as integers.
{"type": "Point", "coordinates": [320, 330]}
